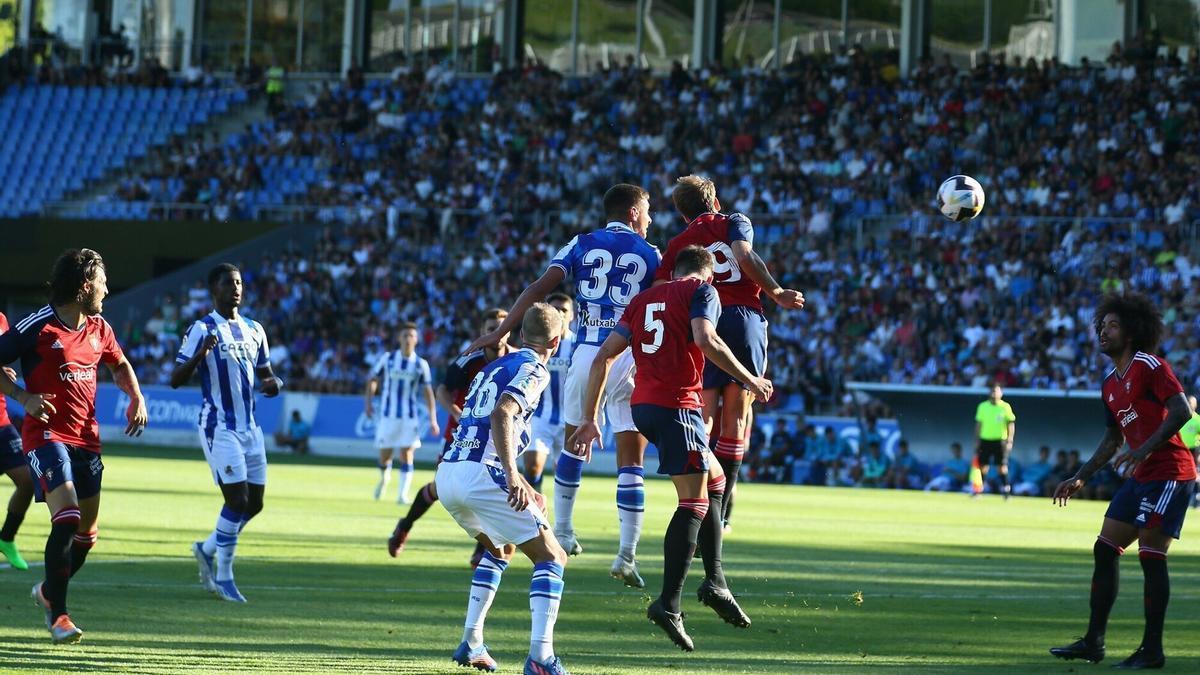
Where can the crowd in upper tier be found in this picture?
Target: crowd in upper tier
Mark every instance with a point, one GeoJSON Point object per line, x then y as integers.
{"type": "Point", "coordinates": [446, 195]}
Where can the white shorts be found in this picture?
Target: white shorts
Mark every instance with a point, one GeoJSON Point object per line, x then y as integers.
{"type": "Point", "coordinates": [546, 438]}
{"type": "Point", "coordinates": [235, 456]}
{"type": "Point", "coordinates": [397, 432]}
{"type": "Point", "coordinates": [477, 498]}
{"type": "Point", "coordinates": [614, 398]}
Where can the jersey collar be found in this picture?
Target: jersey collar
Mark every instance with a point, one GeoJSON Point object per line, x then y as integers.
{"type": "Point", "coordinates": [618, 225]}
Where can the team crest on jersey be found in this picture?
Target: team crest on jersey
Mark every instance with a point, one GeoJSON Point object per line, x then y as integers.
{"type": "Point", "coordinates": [1126, 387]}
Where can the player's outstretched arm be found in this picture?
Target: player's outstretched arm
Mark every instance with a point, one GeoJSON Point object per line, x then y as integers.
{"type": "Point", "coordinates": [126, 380]}
{"type": "Point", "coordinates": [581, 441]}
{"type": "Point", "coordinates": [1178, 413]}
{"type": "Point", "coordinates": [756, 269]}
{"type": "Point", "coordinates": [535, 292]}
{"type": "Point", "coordinates": [1109, 444]}
{"type": "Point", "coordinates": [520, 494]}
{"type": "Point", "coordinates": [715, 350]}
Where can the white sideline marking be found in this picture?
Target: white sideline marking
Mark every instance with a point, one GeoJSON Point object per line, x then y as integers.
{"type": "Point", "coordinates": [791, 596]}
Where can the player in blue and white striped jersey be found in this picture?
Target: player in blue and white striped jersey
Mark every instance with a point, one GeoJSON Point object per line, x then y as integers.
{"type": "Point", "coordinates": [610, 266]}
{"type": "Point", "coordinates": [480, 486]}
{"type": "Point", "coordinates": [229, 351]}
{"type": "Point", "coordinates": [548, 418]}
{"type": "Point", "coordinates": [402, 375]}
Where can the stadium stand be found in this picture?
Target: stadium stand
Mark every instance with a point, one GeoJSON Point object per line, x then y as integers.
{"type": "Point", "coordinates": [917, 299]}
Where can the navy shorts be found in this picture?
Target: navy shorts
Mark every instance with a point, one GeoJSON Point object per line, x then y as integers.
{"type": "Point", "coordinates": [1153, 504]}
{"type": "Point", "coordinates": [54, 464]}
{"type": "Point", "coordinates": [11, 455]}
{"type": "Point", "coordinates": [679, 436]}
{"type": "Point", "coordinates": [744, 330]}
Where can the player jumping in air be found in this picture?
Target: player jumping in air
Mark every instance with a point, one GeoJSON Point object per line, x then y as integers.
{"type": "Point", "coordinates": [672, 328]}
{"type": "Point", "coordinates": [739, 276]}
{"type": "Point", "coordinates": [12, 462]}
{"type": "Point", "coordinates": [609, 266]}
{"type": "Point", "coordinates": [229, 351]}
{"type": "Point", "coordinates": [1145, 407]}
{"type": "Point", "coordinates": [547, 422]}
{"type": "Point", "coordinates": [488, 497]}
{"type": "Point", "coordinates": [400, 374]}
{"type": "Point", "coordinates": [60, 346]}
{"type": "Point", "coordinates": [452, 394]}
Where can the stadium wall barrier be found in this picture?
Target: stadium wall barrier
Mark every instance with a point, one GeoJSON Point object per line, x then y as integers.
{"type": "Point", "coordinates": [134, 251]}
{"type": "Point", "coordinates": [933, 417]}
{"type": "Point", "coordinates": [340, 429]}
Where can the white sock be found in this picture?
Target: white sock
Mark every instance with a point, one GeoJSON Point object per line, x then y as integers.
{"type": "Point", "coordinates": [483, 590]}
{"type": "Point", "coordinates": [545, 594]}
{"type": "Point", "coordinates": [224, 539]}
{"type": "Point", "coordinates": [406, 478]}
{"type": "Point", "coordinates": [631, 502]}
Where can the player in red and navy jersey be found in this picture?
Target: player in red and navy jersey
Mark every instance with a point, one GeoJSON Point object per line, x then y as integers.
{"type": "Point", "coordinates": [60, 346]}
{"type": "Point", "coordinates": [12, 462]}
{"type": "Point", "coordinates": [1145, 407]}
{"type": "Point", "coordinates": [452, 394]}
{"type": "Point", "coordinates": [672, 328]}
{"type": "Point", "coordinates": [739, 276]}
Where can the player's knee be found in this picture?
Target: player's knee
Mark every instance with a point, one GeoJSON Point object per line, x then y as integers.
{"type": "Point", "coordinates": [1151, 553]}
{"type": "Point", "coordinates": [253, 507]}
{"type": "Point", "coordinates": [1106, 549]}
{"type": "Point", "coordinates": [237, 502]}
{"type": "Point", "coordinates": [85, 540]}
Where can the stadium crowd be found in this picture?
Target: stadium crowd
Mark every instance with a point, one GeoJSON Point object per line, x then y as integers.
{"type": "Point", "coordinates": [404, 169]}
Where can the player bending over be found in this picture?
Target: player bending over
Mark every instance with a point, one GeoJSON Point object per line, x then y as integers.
{"type": "Point", "coordinates": [402, 374]}
{"type": "Point", "coordinates": [672, 328]}
{"type": "Point", "coordinates": [488, 497]}
{"type": "Point", "coordinates": [229, 351]}
{"type": "Point", "coordinates": [60, 346]}
{"type": "Point", "coordinates": [1145, 407]}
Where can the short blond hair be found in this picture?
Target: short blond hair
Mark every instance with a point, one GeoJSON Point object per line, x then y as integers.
{"type": "Point", "coordinates": [542, 323]}
{"type": "Point", "coordinates": [694, 195]}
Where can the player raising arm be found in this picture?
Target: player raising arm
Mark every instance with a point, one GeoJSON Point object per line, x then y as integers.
{"type": "Point", "coordinates": [1144, 406]}
{"type": "Point", "coordinates": [60, 347]}
{"type": "Point", "coordinates": [672, 328]}
{"type": "Point", "coordinates": [609, 266]}
{"type": "Point", "coordinates": [740, 276]}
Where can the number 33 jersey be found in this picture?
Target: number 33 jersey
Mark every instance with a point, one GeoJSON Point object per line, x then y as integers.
{"type": "Point", "coordinates": [609, 267]}
{"type": "Point", "coordinates": [716, 233]}
{"type": "Point", "coordinates": [519, 375]}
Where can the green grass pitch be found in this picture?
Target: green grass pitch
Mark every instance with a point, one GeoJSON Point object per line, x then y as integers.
{"type": "Point", "coordinates": [835, 580]}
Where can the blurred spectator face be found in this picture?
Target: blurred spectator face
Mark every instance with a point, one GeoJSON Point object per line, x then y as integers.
{"type": "Point", "coordinates": [566, 308]}
{"type": "Point", "coordinates": [1044, 454]}
{"type": "Point", "coordinates": [956, 450]}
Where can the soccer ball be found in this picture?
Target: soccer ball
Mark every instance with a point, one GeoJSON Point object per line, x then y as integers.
{"type": "Point", "coordinates": [960, 198]}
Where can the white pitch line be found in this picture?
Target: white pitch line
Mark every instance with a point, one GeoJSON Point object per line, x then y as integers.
{"type": "Point", "coordinates": [791, 596]}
